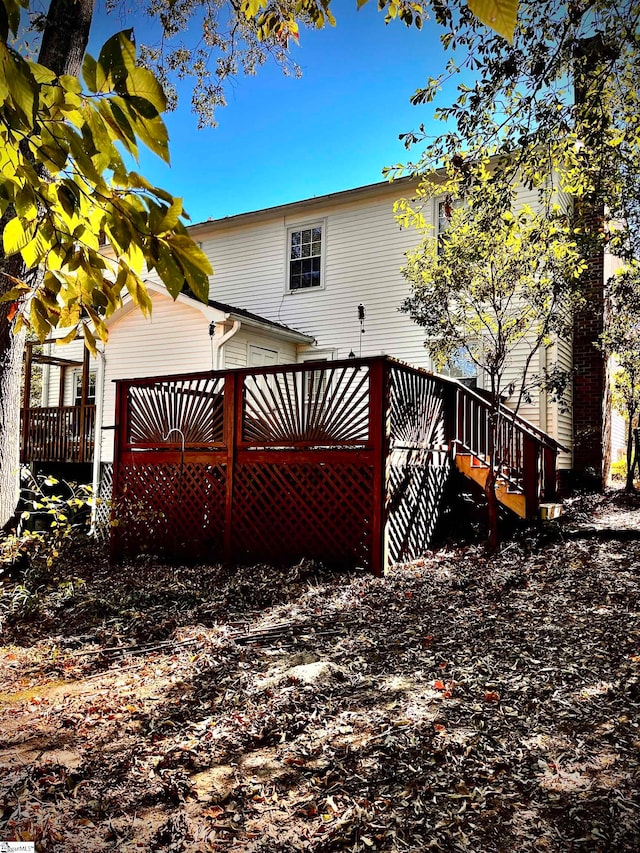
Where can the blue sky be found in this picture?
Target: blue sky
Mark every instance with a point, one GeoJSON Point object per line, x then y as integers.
{"type": "Point", "coordinates": [281, 139]}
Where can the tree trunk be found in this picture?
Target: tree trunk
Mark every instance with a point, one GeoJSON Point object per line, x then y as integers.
{"type": "Point", "coordinates": [64, 42]}
{"type": "Point", "coordinates": [632, 452]}
{"type": "Point", "coordinates": [11, 350]}
{"type": "Point", "coordinates": [629, 487]}
{"type": "Point", "coordinates": [65, 35]}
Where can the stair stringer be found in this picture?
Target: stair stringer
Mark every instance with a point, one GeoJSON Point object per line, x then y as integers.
{"type": "Point", "coordinates": [478, 471]}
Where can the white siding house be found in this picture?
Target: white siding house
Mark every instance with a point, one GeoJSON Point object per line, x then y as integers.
{"type": "Point", "coordinates": [288, 284]}
{"type": "Point", "coordinates": [355, 259]}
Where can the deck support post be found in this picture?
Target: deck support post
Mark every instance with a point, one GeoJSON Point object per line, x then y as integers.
{"type": "Point", "coordinates": [379, 438]}
{"type": "Point", "coordinates": [119, 438]}
{"type": "Point", "coordinates": [549, 476]}
{"type": "Point", "coordinates": [531, 476]}
{"type": "Point", "coordinates": [232, 401]}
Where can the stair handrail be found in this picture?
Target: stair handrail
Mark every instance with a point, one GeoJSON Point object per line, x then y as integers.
{"type": "Point", "coordinates": [526, 456]}
{"type": "Point", "coordinates": [522, 423]}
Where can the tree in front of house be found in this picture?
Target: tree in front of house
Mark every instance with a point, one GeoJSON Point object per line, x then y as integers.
{"type": "Point", "coordinates": [621, 341]}
{"type": "Point", "coordinates": [63, 184]}
{"type": "Point", "coordinates": [558, 104]}
{"type": "Point", "coordinates": [500, 282]}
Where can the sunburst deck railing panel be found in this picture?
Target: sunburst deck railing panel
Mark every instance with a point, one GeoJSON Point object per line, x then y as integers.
{"type": "Point", "coordinates": [315, 406]}
{"type": "Point", "coordinates": [189, 409]}
{"type": "Point", "coordinates": [279, 462]}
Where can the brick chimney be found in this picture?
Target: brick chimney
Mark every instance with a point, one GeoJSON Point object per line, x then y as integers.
{"type": "Point", "coordinates": [591, 391]}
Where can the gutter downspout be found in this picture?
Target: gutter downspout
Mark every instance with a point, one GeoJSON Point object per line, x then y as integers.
{"type": "Point", "coordinates": [218, 341]}
{"type": "Point", "coordinates": [97, 438]}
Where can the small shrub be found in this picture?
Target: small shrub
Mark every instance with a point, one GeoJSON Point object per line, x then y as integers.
{"type": "Point", "coordinates": [49, 524]}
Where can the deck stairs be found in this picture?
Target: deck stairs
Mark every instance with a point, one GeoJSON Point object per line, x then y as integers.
{"type": "Point", "coordinates": [526, 478]}
{"type": "Point", "coordinates": [509, 494]}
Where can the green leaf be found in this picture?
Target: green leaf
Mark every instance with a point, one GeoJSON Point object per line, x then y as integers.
{"type": "Point", "coordinates": [171, 217]}
{"type": "Point", "coordinates": [186, 248]}
{"type": "Point", "coordinates": [194, 263]}
{"type": "Point", "coordinates": [89, 69]}
{"type": "Point", "coordinates": [151, 131]}
{"type": "Point", "coordinates": [9, 17]}
{"type": "Point", "coordinates": [500, 15]}
{"type": "Point", "coordinates": [39, 319]}
{"type": "Point", "coordinates": [41, 74]}
{"type": "Point", "coordinates": [140, 182]}
{"type": "Point", "coordinates": [123, 134]}
{"type": "Point", "coordinates": [169, 271]}
{"type": "Point", "coordinates": [20, 83]}
{"type": "Point", "coordinates": [35, 251]}
{"type": "Point", "coordinates": [70, 84]}
{"type": "Point", "coordinates": [25, 202]}
{"type": "Point", "coordinates": [116, 60]}
{"type": "Point", "coordinates": [15, 293]}
{"type": "Point", "coordinates": [139, 293]}
{"type": "Point", "coordinates": [89, 339]}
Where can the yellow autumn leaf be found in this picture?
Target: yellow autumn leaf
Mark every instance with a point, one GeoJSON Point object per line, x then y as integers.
{"type": "Point", "coordinates": [500, 15]}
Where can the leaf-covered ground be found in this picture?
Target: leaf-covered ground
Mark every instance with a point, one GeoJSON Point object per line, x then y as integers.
{"type": "Point", "coordinates": [461, 703]}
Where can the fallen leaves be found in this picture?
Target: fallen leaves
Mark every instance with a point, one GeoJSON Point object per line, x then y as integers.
{"type": "Point", "coordinates": [459, 704]}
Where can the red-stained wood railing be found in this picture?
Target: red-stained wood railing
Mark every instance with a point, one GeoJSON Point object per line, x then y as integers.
{"type": "Point", "coordinates": [289, 459]}
{"type": "Point", "coordinates": [342, 461]}
{"type": "Point", "coordinates": [58, 434]}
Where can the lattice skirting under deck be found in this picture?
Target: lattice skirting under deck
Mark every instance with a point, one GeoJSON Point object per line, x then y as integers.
{"type": "Point", "coordinates": [102, 510]}
{"type": "Point", "coordinates": [414, 502]}
{"type": "Point", "coordinates": [171, 510]}
{"type": "Point", "coordinates": [283, 512]}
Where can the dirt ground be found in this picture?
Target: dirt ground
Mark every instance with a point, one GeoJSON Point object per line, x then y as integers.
{"type": "Point", "coordinates": [462, 703]}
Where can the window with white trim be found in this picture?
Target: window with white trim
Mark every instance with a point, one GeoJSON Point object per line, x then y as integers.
{"type": "Point", "coordinates": [77, 388]}
{"type": "Point", "coordinates": [460, 366]}
{"type": "Point", "coordinates": [305, 247]}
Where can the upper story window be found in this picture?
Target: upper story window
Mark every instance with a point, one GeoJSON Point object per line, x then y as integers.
{"type": "Point", "coordinates": [460, 366]}
{"type": "Point", "coordinates": [305, 246]}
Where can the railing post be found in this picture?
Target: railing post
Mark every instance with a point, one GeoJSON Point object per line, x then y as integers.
{"type": "Point", "coordinates": [452, 415]}
{"type": "Point", "coordinates": [232, 402]}
{"type": "Point", "coordinates": [549, 473]}
{"type": "Point", "coordinates": [378, 435]}
{"type": "Point", "coordinates": [531, 476]}
{"type": "Point", "coordinates": [84, 393]}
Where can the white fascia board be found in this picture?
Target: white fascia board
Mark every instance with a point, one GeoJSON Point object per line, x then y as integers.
{"type": "Point", "coordinates": [128, 305]}
{"type": "Point", "coordinates": [273, 331]}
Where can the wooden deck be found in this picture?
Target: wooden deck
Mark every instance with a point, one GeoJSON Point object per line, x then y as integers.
{"type": "Point", "coordinates": [58, 434]}
{"type": "Point", "coordinates": [342, 461]}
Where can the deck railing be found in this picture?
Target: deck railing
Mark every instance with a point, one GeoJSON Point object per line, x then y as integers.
{"type": "Point", "coordinates": [338, 461]}
{"type": "Point", "coordinates": [525, 456]}
{"type": "Point", "coordinates": [58, 434]}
